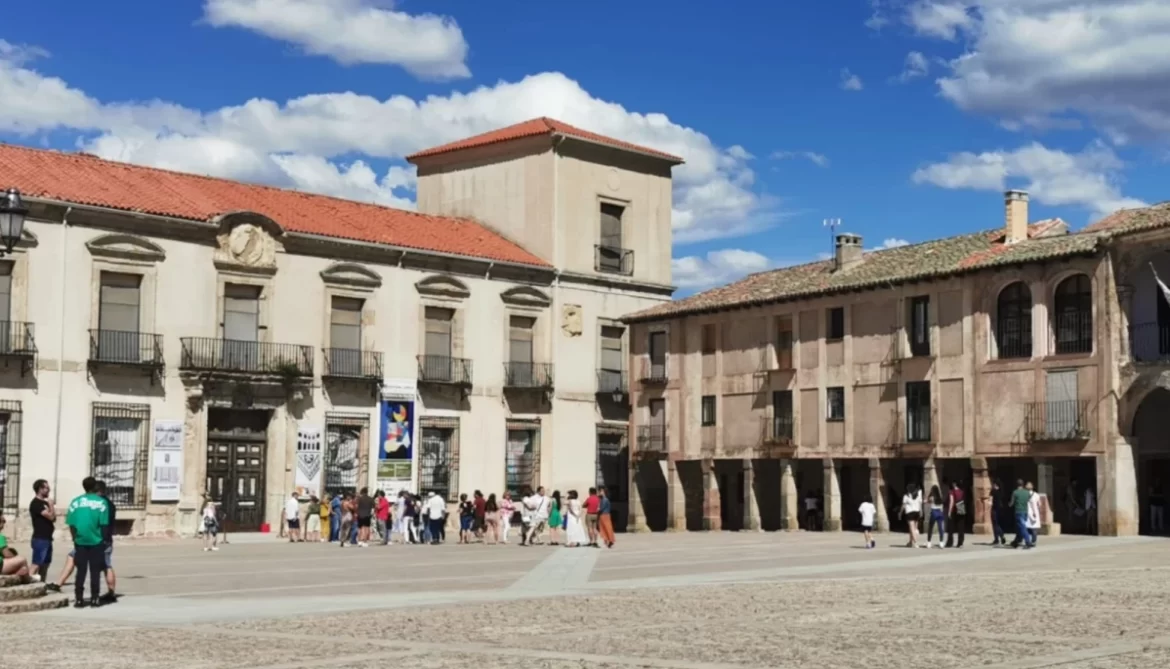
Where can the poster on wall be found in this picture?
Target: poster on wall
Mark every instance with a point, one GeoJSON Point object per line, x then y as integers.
{"type": "Point", "coordinates": [398, 423]}
{"type": "Point", "coordinates": [167, 455]}
{"type": "Point", "coordinates": [309, 459]}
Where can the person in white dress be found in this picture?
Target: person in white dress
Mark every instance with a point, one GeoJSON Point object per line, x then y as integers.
{"type": "Point", "coordinates": [1033, 522]}
{"type": "Point", "coordinates": [575, 534]}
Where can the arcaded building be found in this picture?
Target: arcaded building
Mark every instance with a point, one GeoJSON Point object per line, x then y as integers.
{"type": "Point", "coordinates": [178, 335]}
{"type": "Point", "coordinates": [1023, 351]}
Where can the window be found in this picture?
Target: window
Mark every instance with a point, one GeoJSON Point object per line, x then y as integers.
{"type": "Point", "coordinates": [784, 341]}
{"type": "Point", "coordinates": [1013, 322]}
{"type": "Point", "coordinates": [918, 411]}
{"type": "Point", "coordinates": [10, 415]}
{"type": "Point", "coordinates": [610, 369]}
{"type": "Point", "coordinates": [434, 460]}
{"type": "Point", "coordinates": [708, 342]}
{"type": "Point", "coordinates": [343, 449]}
{"type": "Point", "coordinates": [609, 249]}
{"type": "Point", "coordinates": [438, 334]}
{"type": "Point", "coordinates": [520, 339]}
{"type": "Point", "coordinates": [119, 452]}
{"type": "Point", "coordinates": [782, 414]}
{"type": "Point", "coordinates": [241, 313]}
{"type": "Point", "coordinates": [708, 407]}
{"type": "Point", "coordinates": [835, 404]}
{"type": "Point", "coordinates": [657, 356]}
{"type": "Point", "coordinates": [919, 326]}
{"type": "Point", "coordinates": [118, 317]}
{"type": "Point", "coordinates": [836, 323]}
{"type": "Point", "coordinates": [5, 291]}
{"type": "Point", "coordinates": [1073, 311]}
{"type": "Point", "coordinates": [520, 460]}
{"type": "Point", "coordinates": [345, 323]}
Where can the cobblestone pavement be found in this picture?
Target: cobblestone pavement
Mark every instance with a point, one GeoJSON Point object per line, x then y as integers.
{"type": "Point", "coordinates": [680, 601]}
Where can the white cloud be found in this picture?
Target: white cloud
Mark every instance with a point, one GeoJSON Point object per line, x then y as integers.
{"type": "Point", "coordinates": [892, 243]}
{"type": "Point", "coordinates": [716, 268]}
{"type": "Point", "coordinates": [20, 53]}
{"type": "Point", "coordinates": [850, 81]}
{"type": "Point", "coordinates": [916, 66]}
{"type": "Point", "coordinates": [353, 32]}
{"type": "Point", "coordinates": [273, 142]}
{"type": "Point", "coordinates": [1087, 179]}
{"type": "Point", "coordinates": [1036, 63]}
{"type": "Point", "coordinates": [818, 159]}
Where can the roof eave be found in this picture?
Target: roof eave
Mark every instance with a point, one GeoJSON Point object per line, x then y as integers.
{"type": "Point", "coordinates": [647, 153]}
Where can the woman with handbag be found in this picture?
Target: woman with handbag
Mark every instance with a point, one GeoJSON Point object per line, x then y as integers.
{"type": "Point", "coordinates": [957, 515]}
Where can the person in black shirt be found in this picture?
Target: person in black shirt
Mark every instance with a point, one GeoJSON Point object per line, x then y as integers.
{"type": "Point", "coordinates": [108, 546]}
{"type": "Point", "coordinates": [998, 502]}
{"type": "Point", "coordinates": [365, 516]}
{"type": "Point", "coordinates": [43, 516]}
{"type": "Point", "coordinates": [466, 518]}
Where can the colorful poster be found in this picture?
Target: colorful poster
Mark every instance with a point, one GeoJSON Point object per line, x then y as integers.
{"type": "Point", "coordinates": [397, 430]}
{"type": "Point", "coordinates": [167, 457]}
{"type": "Point", "coordinates": [309, 459]}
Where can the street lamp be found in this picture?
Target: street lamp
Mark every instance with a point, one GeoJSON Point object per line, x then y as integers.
{"type": "Point", "coordinates": [618, 396]}
{"type": "Point", "coordinates": [12, 213]}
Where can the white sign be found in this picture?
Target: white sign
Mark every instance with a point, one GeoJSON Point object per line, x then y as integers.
{"type": "Point", "coordinates": [392, 486]}
{"type": "Point", "coordinates": [399, 389]}
{"type": "Point", "coordinates": [309, 460]}
{"type": "Point", "coordinates": [167, 476]}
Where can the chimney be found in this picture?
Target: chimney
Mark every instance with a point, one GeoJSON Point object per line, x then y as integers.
{"type": "Point", "coordinates": [848, 251]}
{"type": "Point", "coordinates": [1015, 217]}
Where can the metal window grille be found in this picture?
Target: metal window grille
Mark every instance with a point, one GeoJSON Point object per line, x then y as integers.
{"type": "Point", "coordinates": [919, 326]}
{"type": "Point", "coordinates": [344, 453]}
{"type": "Point", "coordinates": [1013, 326]}
{"type": "Point", "coordinates": [120, 452]}
{"type": "Point", "coordinates": [1074, 315]}
{"type": "Point", "coordinates": [708, 414]}
{"type": "Point", "coordinates": [918, 411]}
{"type": "Point", "coordinates": [10, 419]}
{"type": "Point", "coordinates": [436, 457]}
{"type": "Point", "coordinates": [836, 404]}
{"type": "Point", "coordinates": [521, 457]}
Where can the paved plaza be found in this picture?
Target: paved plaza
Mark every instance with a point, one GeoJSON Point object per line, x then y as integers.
{"type": "Point", "coordinates": [685, 601]}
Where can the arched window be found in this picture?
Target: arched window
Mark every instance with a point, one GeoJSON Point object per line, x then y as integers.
{"type": "Point", "coordinates": [1013, 322]}
{"type": "Point", "coordinates": [1073, 315]}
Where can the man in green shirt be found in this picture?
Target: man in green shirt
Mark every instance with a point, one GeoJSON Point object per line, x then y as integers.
{"type": "Point", "coordinates": [87, 516]}
{"type": "Point", "coordinates": [1020, 498]}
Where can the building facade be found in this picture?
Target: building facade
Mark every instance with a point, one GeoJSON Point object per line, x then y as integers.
{"type": "Point", "coordinates": [176, 335]}
{"type": "Point", "coordinates": [1018, 352]}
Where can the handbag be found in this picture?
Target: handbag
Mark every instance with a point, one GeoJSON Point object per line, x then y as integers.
{"type": "Point", "coordinates": [961, 507]}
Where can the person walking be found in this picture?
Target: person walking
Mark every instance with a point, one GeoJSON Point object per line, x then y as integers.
{"type": "Point", "coordinates": [108, 546]}
{"type": "Point", "coordinates": [592, 507]}
{"type": "Point", "coordinates": [480, 514]}
{"type": "Point", "coordinates": [1033, 522]}
{"type": "Point", "coordinates": [936, 507]}
{"type": "Point", "coordinates": [996, 503]}
{"type": "Point", "coordinates": [313, 520]}
{"type": "Point", "coordinates": [912, 511]}
{"type": "Point", "coordinates": [382, 516]}
{"type": "Point", "coordinates": [44, 516]}
{"type": "Point", "coordinates": [605, 518]}
{"type": "Point", "coordinates": [956, 515]}
{"type": "Point", "coordinates": [436, 509]}
{"type": "Point", "coordinates": [868, 513]}
{"type": "Point", "coordinates": [575, 532]}
{"type": "Point", "coordinates": [507, 510]}
{"type": "Point", "coordinates": [491, 517]}
{"type": "Point", "coordinates": [292, 516]}
{"type": "Point", "coordinates": [1020, 497]}
{"type": "Point", "coordinates": [210, 524]}
{"type": "Point", "coordinates": [466, 518]}
{"type": "Point", "coordinates": [87, 516]}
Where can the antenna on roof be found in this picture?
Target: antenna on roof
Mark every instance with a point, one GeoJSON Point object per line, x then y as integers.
{"type": "Point", "coordinates": [832, 224]}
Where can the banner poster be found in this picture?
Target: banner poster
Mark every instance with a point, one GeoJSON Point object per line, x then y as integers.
{"type": "Point", "coordinates": [309, 459]}
{"type": "Point", "coordinates": [398, 425]}
{"type": "Point", "coordinates": [167, 458]}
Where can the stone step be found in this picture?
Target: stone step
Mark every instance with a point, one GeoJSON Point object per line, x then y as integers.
{"type": "Point", "coordinates": [33, 605]}
{"type": "Point", "coordinates": [27, 591]}
{"type": "Point", "coordinates": [9, 581]}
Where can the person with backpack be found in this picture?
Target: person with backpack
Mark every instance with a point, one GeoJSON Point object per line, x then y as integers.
{"type": "Point", "coordinates": [956, 515]}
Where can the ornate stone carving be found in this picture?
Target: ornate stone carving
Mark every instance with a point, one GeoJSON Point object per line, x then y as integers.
{"type": "Point", "coordinates": [571, 320]}
{"type": "Point", "coordinates": [247, 242]}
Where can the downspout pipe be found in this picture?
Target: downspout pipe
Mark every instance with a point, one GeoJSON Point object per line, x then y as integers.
{"type": "Point", "coordinates": [61, 346]}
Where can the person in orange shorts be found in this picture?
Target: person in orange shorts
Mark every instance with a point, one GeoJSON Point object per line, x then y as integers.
{"type": "Point", "coordinates": [605, 518]}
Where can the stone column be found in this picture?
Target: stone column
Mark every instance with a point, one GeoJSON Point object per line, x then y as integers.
{"type": "Point", "coordinates": [712, 505]}
{"type": "Point", "coordinates": [751, 509]}
{"type": "Point", "coordinates": [877, 494]}
{"type": "Point", "coordinates": [676, 501]}
{"type": "Point", "coordinates": [1044, 486]}
{"type": "Point", "coordinates": [1125, 299]}
{"type": "Point", "coordinates": [980, 495]}
{"type": "Point", "coordinates": [1118, 510]}
{"type": "Point", "coordinates": [930, 476]}
{"type": "Point", "coordinates": [635, 515]}
{"type": "Point", "coordinates": [789, 498]}
{"type": "Point", "coordinates": [832, 499]}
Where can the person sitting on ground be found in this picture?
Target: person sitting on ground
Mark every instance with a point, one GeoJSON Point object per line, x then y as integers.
{"type": "Point", "coordinates": [11, 564]}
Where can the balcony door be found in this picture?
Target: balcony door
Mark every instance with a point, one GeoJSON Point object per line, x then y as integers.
{"type": "Point", "coordinates": [609, 250]}
{"type": "Point", "coordinates": [437, 363]}
{"type": "Point", "coordinates": [657, 423]}
{"type": "Point", "coordinates": [658, 355]}
{"type": "Point", "coordinates": [345, 337]}
{"type": "Point", "coordinates": [1061, 409]}
{"type": "Point", "coordinates": [611, 360]}
{"type": "Point", "coordinates": [520, 367]}
{"type": "Point", "coordinates": [9, 336]}
{"type": "Point", "coordinates": [119, 308]}
{"type": "Point", "coordinates": [241, 327]}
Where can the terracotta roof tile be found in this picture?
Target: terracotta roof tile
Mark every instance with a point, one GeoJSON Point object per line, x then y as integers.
{"type": "Point", "coordinates": [938, 258]}
{"type": "Point", "coordinates": [85, 179]}
{"type": "Point", "coordinates": [534, 128]}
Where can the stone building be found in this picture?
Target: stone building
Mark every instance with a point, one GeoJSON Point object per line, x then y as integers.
{"type": "Point", "coordinates": [174, 334]}
{"type": "Point", "coordinates": [1024, 351]}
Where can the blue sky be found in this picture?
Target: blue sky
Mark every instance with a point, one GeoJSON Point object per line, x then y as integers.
{"type": "Point", "coordinates": [904, 118]}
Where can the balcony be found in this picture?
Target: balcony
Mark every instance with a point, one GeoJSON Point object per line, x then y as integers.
{"type": "Point", "coordinates": [1065, 420]}
{"type": "Point", "coordinates": [775, 437]}
{"type": "Point", "coordinates": [444, 370]}
{"type": "Point", "coordinates": [233, 356]}
{"type": "Point", "coordinates": [350, 363]}
{"type": "Point", "coordinates": [652, 372]}
{"type": "Point", "coordinates": [1074, 332]}
{"type": "Point", "coordinates": [537, 375]}
{"type": "Point", "coordinates": [1150, 342]}
{"type": "Point", "coordinates": [127, 349]}
{"type": "Point", "coordinates": [613, 260]}
{"type": "Point", "coordinates": [652, 439]}
{"type": "Point", "coordinates": [612, 382]}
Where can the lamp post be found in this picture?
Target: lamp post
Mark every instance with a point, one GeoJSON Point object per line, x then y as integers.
{"type": "Point", "coordinates": [12, 213]}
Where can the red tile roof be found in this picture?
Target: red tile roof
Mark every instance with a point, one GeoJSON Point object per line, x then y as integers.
{"type": "Point", "coordinates": [537, 127]}
{"type": "Point", "coordinates": [87, 180]}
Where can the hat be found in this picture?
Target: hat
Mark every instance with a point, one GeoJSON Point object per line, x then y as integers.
{"type": "Point", "coordinates": [431, 493]}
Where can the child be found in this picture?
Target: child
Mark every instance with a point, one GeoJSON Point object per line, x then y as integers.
{"type": "Point", "coordinates": [868, 513]}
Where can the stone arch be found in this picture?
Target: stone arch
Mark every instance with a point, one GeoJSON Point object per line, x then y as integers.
{"type": "Point", "coordinates": [350, 274]}
{"type": "Point", "coordinates": [442, 285]}
{"type": "Point", "coordinates": [227, 220]}
{"type": "Point", "coordinates": [130, 247]}
{"type": "Point", "coordinates": [526, 296]}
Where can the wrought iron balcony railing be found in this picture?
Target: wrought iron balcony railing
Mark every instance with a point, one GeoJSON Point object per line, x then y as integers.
{"type": "Point", "coordinates": [613, 260]}
{"type": "Point", "coordinates": [1064, 420]}
{"type": "Point", "coordinates": [610, 381]}
{"type": "Point", "coordinates": [1149, 342]}
{"type": "Point", "coordinates": [351, 363]}
{"type": "Point", "coordinates": [119, 347]}
{"type": "Point", "coordinates": [778, 430]}
{"type": "Point", "coordinates": [652, 438]}
{"type": "Point", "coordinates": [1074, 332]}
{"type": "Point", "coordinates": [245, 357]}
{"type": "Point", "coordinates": [918, 426]}
{"type": "Point", "coordinates": [528, 375]}
{"type": "Point", "coordinates": [653, 372]}
{"type": "Point", "coordinates": [1013, 338]}
{"type": "Point", "coordinates": [444, 369]}
{"type": "Point", "coordinates": [16, 339]}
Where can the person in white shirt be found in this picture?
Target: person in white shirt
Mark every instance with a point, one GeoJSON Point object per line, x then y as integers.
{"type": "Point", "coordinates": [868, 513]}
{"type": "Point", "coordinates": [912, 511]}
{"type": "Point", "coordinates": [292, 516]}
{"type": "Point", "coordinates": [400, 528]}
{"type": "Point", "coordinates": [436, 508]}
{"type": "Point", "coordinates": [540, 509]}
{"type": "Point", "coordinates": [1033, 521]}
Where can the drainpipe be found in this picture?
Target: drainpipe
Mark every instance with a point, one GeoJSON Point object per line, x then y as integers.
{"type": "Point", "coordinates": [61, 346]}
{"type": "Point", "coordinates": [556, 291]}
